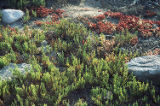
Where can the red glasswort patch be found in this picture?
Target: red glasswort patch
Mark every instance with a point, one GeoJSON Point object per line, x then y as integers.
{"type": "Point", "coordinates": [113, 14]}
{"type": "Point", "coordinates": [92, 25]}
{"type": "Point", "coordinates": [107, 27]}
{"type": "Point", "coordinates": [100, 17]}
{"type": "Point", "coordinates": [134, 41]}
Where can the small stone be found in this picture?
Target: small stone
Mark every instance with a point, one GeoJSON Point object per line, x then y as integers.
{"type": "Point", "coordinates": [6, 73]}
{"type": "Point", "coordinates": [44, 47]}
{"type": "Point", "coordinates": [11, 15]}
{"type": "Point", "coordinates": [145, 68]}
{"type": "Point", "coordinates": [44, 43]}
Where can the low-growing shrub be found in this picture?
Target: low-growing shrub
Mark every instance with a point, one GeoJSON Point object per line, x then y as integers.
{"type": "Point", "coordinates": [21, 4]}
{"type": "Point", "coordinates": [26, 17]}
{"type": "Point", "coordinates": [5, 48]}
{"type": "Point", "coordinates": [126, 38]}
{"type": "Point", "coordinates": [6, 59]}
{"type": "Point", "coordinates": [74, 66]}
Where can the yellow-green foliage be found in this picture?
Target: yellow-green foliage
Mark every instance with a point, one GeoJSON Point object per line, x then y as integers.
{"type": "Point", "coordinates": [124, 37]}
{"type": "Point", "coordinates": [27, 16]}
{"type": "Point", "coordinates": [75, 68]}
{"type": "Point", "coordinates": [34, 13]}
{"type": "Point", "coordinates": [24, 3]}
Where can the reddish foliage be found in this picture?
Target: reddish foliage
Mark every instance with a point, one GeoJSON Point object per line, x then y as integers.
{"type": "Point", "coordinates": [52, 22]}
{"type": "Point", "coordinates": [129, 22]}
{"type": "Point", "coordinates": [59, 11]}
{"type": "Point", "coordinates": [113, 14]}
{"type": "Point", "coordinates": [146, 32]}
{"type": "Point", "coordinates": [107, 27]}
{"type": "Point", "coordinates": [99, 10]}
{"type": "Point", "coordinates": [157, 22]}
{"type": "Point", "coordinates": [55, 17]}
{"type": "Point", "coordinates": [49, 23]}
{"type": "Point", "coordinates": [39, 23]}
{"type": "Point", "coordinates": [84, 42]}
{"type": "Point", "coordinates": [100, 17]}
{"type": "Point", "coordinates": [157, 32]}
{"type": "Point", "coordinates": [157, 51]}
{"type": "Point", "coordinates": [101, 27]}
{"type": "Point", "coordinates": [57, 22]}
{"type": "Point", "coordinates": [147, 24]}
{"type": "Point", "coordinates": [134, 40]}
{"type": "Point", "coordinates": [153, 52]}
{"type": "Point", "coordinates": [13, 30]}
{"type": "Point", "coordinates": [121, 26]}
{"type": "Point", "coordinates": [42, 11]}
{"type": "Point", "coordinates": [133, 23]}
{"type": "Point", "coordinates": [145, 28]}
{"type": "Point", "coordinates": [91, 25]}
{"type": "Point", "coordinates": [150, 13]}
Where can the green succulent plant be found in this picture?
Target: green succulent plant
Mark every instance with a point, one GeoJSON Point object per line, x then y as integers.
{"type": "Point", "coordinates": [21, 4]}
{"type": "Point", "coordinates": [125, 37]}
{"type": "Point", "coordinates": [26, 18]}
{"type": "Point", "coordinates": [74, 66]}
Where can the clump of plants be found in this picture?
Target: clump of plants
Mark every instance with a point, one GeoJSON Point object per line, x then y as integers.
{"type": "Point", "coordinates": [150, 13]}
{"type": "Point", "coordinates": [144, 27]}
{"type": "Point", "coordinates": [105, 46]}
{"type": "Point", "coordinates": [26, 18]}
{"type": "Point", "coordinates": [132, 23]}
{"type": "Point", "coordinates": [72, 64]}
{"type": "Point", "coordinates": [156, 51]}
{"type": "Point", "coordinates": [126, 38]}
{"type": "Point", "coordinates": [102, 27]}
{"type": "Point", "coordinates": [21, 4]}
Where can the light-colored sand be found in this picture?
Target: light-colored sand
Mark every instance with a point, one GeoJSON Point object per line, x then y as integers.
{"type": "Point", "coordinates": [87, 8]}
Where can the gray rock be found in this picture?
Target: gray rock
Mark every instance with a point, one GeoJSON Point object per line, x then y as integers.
{"type": "Point", "coordinates": [44, 43]}
{"type": "Point", "coordinates": [11, 15]}
{"type": "Point", "coordinates": [6, 72]}
{"type": "Point", "coordinates": [45, 47]}
{"type": "Point", "coordinates": [18, 24]}
{"type": "Point", "coordinates": [145, 68]}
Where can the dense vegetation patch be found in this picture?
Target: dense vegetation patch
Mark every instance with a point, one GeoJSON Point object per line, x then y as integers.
{"type": "Point", "coordinates": [79, 65]}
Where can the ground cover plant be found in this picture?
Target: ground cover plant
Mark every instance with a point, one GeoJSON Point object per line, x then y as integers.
{"type": "Point", "coordinates": [21, 4]}
{"type": "Point", "coordinates": [87, 68]}
{"type": "Point", "coordinates": [132, 23]}
{"type": "Point", "coordinates": [83, 69]}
